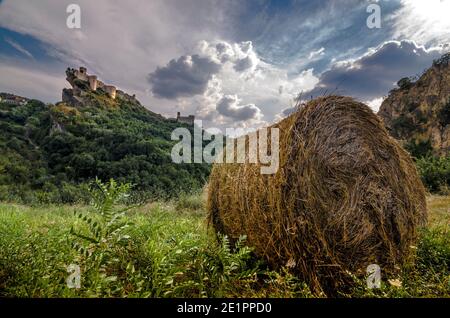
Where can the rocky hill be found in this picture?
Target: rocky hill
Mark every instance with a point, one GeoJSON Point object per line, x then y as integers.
{"type": "Point", "coordinates": [48, 153]}
{"type": "Point", "coordinates": [418, 111]}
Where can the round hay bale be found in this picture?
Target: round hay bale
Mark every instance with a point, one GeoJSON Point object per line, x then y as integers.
{"type": "Point", "coordinates": [345, 196]}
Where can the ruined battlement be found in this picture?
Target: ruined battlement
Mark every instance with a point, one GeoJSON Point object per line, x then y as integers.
{"type": "Point", "coordinates": [81, 81]}
{"type": "Point", "coordinates": [185, 119]}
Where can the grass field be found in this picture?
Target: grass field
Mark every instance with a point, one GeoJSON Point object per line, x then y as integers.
{"type": "Point", "coordinates": [167, 250]}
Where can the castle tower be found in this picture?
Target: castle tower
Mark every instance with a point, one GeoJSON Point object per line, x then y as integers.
{"type": "Point", "coordinates": [111, 90]}
{"type": "Point", "coordinates": [82, 74]}
{"type": "Point", "coordinates": [187, 120]}
{"type": "Point", "coordinates": [93, 82]}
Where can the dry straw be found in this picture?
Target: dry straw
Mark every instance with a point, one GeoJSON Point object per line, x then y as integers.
{"type": "Point", "coordinates": [346, 195]}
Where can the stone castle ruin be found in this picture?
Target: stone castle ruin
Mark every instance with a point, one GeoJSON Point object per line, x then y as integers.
{"type": "Point", "coordinates": [185, 119]}
{"type": "Point", "coordinates": [82, 83]}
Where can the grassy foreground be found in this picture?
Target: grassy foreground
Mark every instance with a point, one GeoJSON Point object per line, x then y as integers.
{"type": "Point", "coordinates": [166, 250]}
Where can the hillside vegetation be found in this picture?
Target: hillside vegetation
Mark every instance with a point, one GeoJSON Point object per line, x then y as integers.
{"type": "Point", "coordinates": [417, 113]}
{"type": "Point", "coordinates": [48, 153]}
{"type": "Point", "coordinates": [167, 250]}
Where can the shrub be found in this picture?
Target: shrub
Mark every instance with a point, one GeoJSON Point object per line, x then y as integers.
{"type": "Point", "coordinates": [102, 236]}
{"type": "Point", "coordinates": [435, 172]}
{"type": "Point", "coordinates": [442, 61]}
{"type": "Point", "coordinates": [190, 202]}
{"type": "Point", "coordinates": [404, 83]}
{"type": "Point", "coordinates": [403, 125]}
{"type": "Point", "coordinates": [419, 149]}
{"type": "Point", "coordinates": [444, 114]}
{"type": "Point", "coordinates": [181, 265]}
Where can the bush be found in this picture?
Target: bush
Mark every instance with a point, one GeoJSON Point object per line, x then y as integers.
{"type": "Point", "coordinates": [403, 126]}
{"type": "Point", "coordinates": [435, 172]}
{"type": "Point", "coordinates": [191, 202]}
{"type": "Point", "coordinates": [404, 83]}
{"type": "Point", "coordinates": [419, 149]}
{"type": "Point", "coordinates": [59, 144]}
{"type": "Point", "coordinates": [444, 114]}
{"type": "Point", "coordinates": [113, 265]}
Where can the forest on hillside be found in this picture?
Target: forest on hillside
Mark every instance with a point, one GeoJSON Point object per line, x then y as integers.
{"type": "Point", "coordinates": [50, 153]}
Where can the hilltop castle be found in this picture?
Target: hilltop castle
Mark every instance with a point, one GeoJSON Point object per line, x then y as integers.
{"type": "Point", "coordinates": [79, 78]}
{"type": "Point", "coordinates": [185, 119]}
{"type": "Point", "coordinates": [82, 83]}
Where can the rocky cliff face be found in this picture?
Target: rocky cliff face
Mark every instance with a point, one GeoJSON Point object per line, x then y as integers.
{"type": "Point", "coordinates": [418, 112]}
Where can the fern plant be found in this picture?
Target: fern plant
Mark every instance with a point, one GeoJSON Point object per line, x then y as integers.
{"type": "Point", "coordinates": [101, 235]}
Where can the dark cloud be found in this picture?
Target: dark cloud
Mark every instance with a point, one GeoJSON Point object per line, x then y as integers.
{"type": "Point", "coordinates": [229, 106]}
{"type": "Point", "coordinates": [243, 64]}
{"type": "Point", "coordinates": [287, 111]}
{"type": "Point", "coordinates": [222, 47]}
{"type": "Point", "coordinates": [374, 74]}
{"type": "Point", "coordinates": [185, 77]}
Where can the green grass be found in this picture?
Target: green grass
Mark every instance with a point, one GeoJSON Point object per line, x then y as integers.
{"type": "Point", "coordinates": [170, 252]}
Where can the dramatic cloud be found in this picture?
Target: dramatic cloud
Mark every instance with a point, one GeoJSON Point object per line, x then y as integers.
{"type": "Point", "coordinates": [229, 106]}
{"type": "Point", "coordinates": [243, 91]}
{"type": "Point", "coordinates": [375, 73]}
{"type": "Point", "coordinates": [425, 22]}
{"type": "Point", "coordinates": [243, 64]}
{"type": "Point", "coordinates": [263, 53]}
{"type": "Point", "coordinates": [240, 55]}
{"type": "Point", "coordinates": [375, 103]}
{"type": "Point", "coordinates": [121, 42]}
{"type": "Point", "coordinates": [186, 77]}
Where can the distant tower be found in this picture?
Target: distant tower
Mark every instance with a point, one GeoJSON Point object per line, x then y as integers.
{"type": "Point", "coordinates": [82, 74]}
{"type": "Point", "coordinates": [111, 90]}
{"type": "Point", "coordinates": [93, 82]}
{"type": "Point", "coordinates": [187, 120]}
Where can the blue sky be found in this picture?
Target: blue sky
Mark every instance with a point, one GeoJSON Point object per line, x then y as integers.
{"type": "Point", "coordinates": [231, 63]}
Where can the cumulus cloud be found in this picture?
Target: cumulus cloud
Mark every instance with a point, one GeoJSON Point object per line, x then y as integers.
{"type": "Point", "coordinates": [230, 106]}
{"type": "Point", "coordinates": [243, 64]}
{"type": "Point", "coordinates": [119, 42]}
{"type": "Point", "coordinates": [242, 89]}
{"type": "Point", "coordinates": [426, 22]}
{"type": "Point", "coordinates": [192, 75]}
{"type": "Point", "coordinates": [185, 77]}
{"type": "Point", "coordinates": [375, 104]}
{"type": "Point", "coordinates": [241, 56]}
{"type": "Point", "coordinates": [375, 73]}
